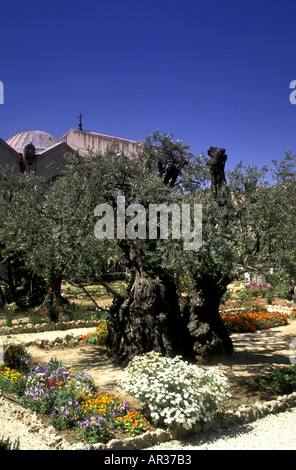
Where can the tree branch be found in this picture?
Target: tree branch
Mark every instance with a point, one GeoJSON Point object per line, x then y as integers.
{"type": "Point", "coordinates": [88, 294]}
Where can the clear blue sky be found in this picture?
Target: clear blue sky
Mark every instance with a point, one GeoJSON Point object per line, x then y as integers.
{"type": "Point", "coordinates": [214, 73]}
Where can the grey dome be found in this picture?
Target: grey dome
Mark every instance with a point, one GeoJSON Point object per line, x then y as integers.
{"type": "Point", "coordinates": [40, 139]}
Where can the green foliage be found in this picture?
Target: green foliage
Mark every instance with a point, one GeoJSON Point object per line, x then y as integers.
{"type": "Point", "coordinates": [280, 284]}
{"type": "Point", "coordinates": [35, 317]}
{"type": "Point", "coordinates": [9, 311]}
{"type": "Point", "coordinates": [283, 379]}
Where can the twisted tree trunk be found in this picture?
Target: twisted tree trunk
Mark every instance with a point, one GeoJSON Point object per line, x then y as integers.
{"type": "Point", "coordinates": [148, 318]}
{"type": "Point", "coordinates": [207, 335]}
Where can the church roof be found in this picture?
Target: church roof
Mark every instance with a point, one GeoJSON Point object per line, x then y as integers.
{"type": "Point", "coordinates": [40, 139]}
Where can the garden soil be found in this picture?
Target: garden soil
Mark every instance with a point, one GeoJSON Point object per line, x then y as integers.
{"type": "Point", "coordinates": [255, 355]}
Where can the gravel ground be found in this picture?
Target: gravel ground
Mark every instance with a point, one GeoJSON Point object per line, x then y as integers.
{"type": "Point", "coordinates": [14, 430]}
{"type": "Point", "coordinates": [273, 432]}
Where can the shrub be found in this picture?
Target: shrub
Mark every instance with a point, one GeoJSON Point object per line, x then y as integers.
{"type": "Point", "coordinates": [257, 290]}
{"type": "Point", "coordinates": [9, 310]}
{"type": "Point", "coordinates": [282, 380]}
{"type": "Point", "coordinates": [176, 393]}
{"type": "Point", "coordinates": [54, 313]}
{"type": "Point", "coordinates": [16, 357]}
{"type": "Point", "coordinates": [35, 317]}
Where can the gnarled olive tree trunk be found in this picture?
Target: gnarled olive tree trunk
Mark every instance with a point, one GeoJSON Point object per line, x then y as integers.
{"type": "Point", "coordinates": [148, 318]}
{"type": "Point", "coordinates": [207, 334]}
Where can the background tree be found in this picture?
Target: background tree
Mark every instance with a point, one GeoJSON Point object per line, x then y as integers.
{"type": "Point", "coordinates": [266, 201]}
{"type": "Point", "coordinates": [20, 195]}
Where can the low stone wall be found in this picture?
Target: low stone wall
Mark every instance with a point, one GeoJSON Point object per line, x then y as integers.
{"type": "Point", "coordinates": [41, 327]}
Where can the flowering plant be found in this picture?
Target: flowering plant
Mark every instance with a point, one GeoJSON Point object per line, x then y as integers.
{"type": "Point", "coordinates": [44, 383]}
{"type": "Point", "coordinates": [97, 336]}
{"type": "Point", "coordinates": [257, 290]}
{"type": "Point", "coordinates": [8, 378]}
{"type": "Point", "coordinates": [102, 413]}
{"type": "Point", "coordinates": [245, 322]}
{"type": "Point", "coordinates": [69, 399]}
{"type": "Point", "coordinates": [177, 394]}
{"type": "Point", "coordinates": [245, 303]}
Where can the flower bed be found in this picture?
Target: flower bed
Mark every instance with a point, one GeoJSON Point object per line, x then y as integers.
{"type": "Point", "coordinates": [99, 335]}
{"type": "Point", "coordinates": [177, 395]}
{"type": "Point", "coordinates": [70, 402]}
{"type": "Point", "coordinates": [246, 322]}
{"type": "Point", "coordinates": [245, 304]}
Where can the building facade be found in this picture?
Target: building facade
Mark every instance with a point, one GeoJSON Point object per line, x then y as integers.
{"type": "Point", "coordinates": [45, 155]}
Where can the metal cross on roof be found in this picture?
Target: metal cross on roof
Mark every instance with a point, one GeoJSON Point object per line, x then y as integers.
{"type": "Point", "coordinates": [80, 123]}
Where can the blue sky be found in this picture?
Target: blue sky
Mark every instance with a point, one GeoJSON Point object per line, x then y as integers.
{"type": "Point", "coordinates": [214, 73]}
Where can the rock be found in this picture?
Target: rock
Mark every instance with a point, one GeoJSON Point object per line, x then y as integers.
{"type": "Point", "coordinates": [197, 428]}
{"type": "Point", "coordinates": [98, 446]}
{"type": "Point", "coordinates": [209, 426]}
{"type": "Point", "coordinates": [80, 446]}
{"type": "Point", "coordinates": [114, 444]}
{"type": "Point", "coordinates": [160, 435]}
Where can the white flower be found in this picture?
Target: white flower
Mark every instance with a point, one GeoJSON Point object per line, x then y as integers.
{"type": "Point", "coordinates": [178, 393]}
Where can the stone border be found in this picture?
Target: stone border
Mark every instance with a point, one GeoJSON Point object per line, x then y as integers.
{"type": "Point", "coordinates": [244, 414]}
{"type": "Point", "coordinates": [41, 327]}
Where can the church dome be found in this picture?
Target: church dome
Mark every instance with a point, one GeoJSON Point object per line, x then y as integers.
{"type": "Point", "coordinates": [40, 139]}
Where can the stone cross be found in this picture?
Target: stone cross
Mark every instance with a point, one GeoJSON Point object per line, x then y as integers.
{"type": "Point", "coordinates": [80, 123]}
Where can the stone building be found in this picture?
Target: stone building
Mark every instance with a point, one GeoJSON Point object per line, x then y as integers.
{"type": "Point", "coordinates": [44, 154]}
